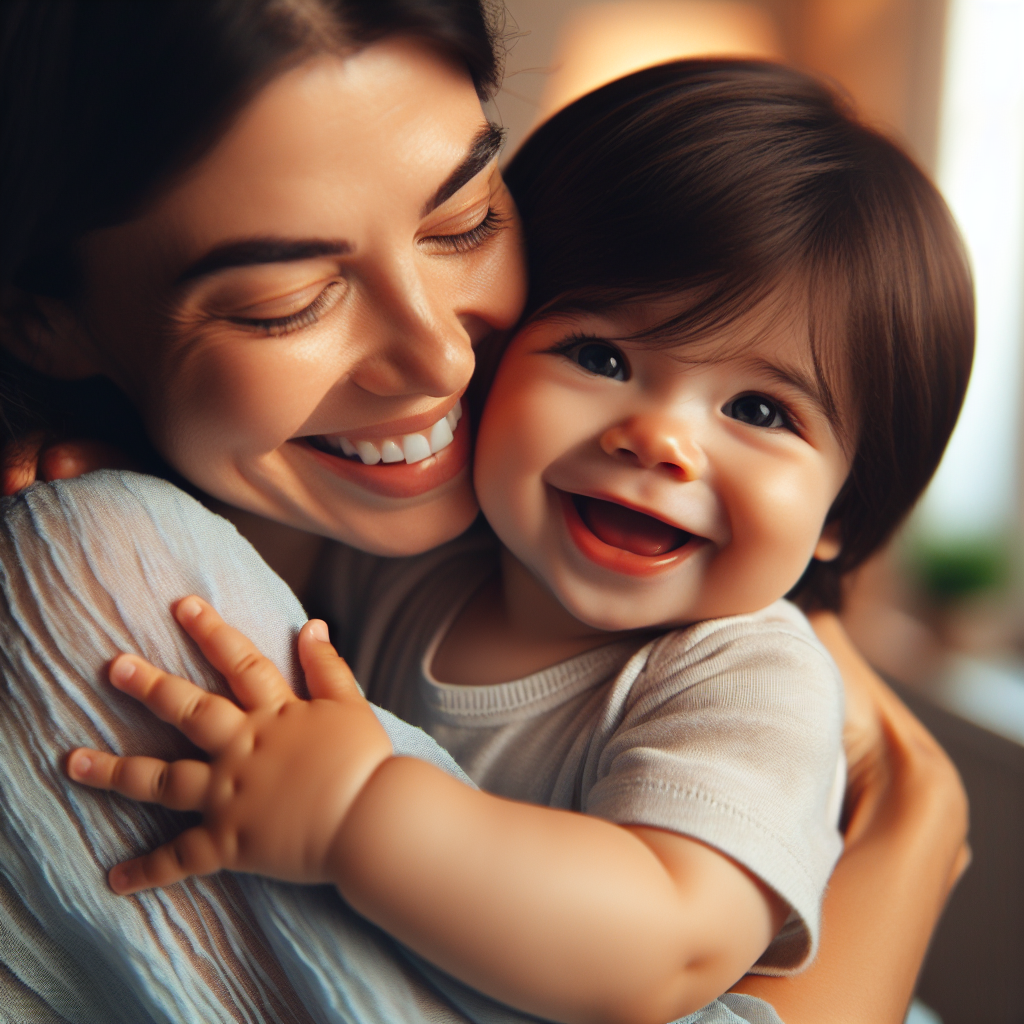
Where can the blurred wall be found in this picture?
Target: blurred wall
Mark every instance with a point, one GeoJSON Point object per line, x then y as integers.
{"type": "Point", "coordinates": [887, 54]}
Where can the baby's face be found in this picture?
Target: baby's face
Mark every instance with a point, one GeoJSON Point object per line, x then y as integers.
{"type": "Point", "coordinates": [652, 486]}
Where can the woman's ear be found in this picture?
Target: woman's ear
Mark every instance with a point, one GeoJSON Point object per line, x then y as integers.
{"type": "Point", "coordinates": [830, 542]}
{"type": "Point", "coordinates": [45, 334]}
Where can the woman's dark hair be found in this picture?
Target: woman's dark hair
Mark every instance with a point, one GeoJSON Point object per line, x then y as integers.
{"type": "Point", "coordinates": [102, 101]}
{"type": "Point", "coordinates": [730, 180]}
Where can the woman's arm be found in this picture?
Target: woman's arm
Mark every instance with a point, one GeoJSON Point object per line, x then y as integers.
{"type": "Point", "coordinates": [906, 828]}
{"type": "Point", "coordinates": [91, 567]}
{"type": "Point", "coordinates": [565, 915]}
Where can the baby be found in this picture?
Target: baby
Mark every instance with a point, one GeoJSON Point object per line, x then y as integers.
{"type": "Point", "coordinates": [748, 336]}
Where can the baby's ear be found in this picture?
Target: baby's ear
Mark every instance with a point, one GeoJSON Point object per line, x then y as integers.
{"type": "Point", "coordinates": [45, 334]}
{"type": "Point", "coordinates": [829, 543]}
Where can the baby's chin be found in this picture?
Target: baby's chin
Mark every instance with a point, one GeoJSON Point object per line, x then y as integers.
{"type": "Point", "coordinates": [600, 610]}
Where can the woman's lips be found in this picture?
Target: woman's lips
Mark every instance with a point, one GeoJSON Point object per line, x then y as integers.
{"type": "Point", "coordinates": [402, 447]}
{"type": "Point", "coordinates": [399, 479]}
{"type": "Point", "coordinates": [654, 546]}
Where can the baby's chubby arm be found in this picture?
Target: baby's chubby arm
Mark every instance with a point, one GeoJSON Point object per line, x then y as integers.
{"type": "Point", "coordinates": [558, 913]}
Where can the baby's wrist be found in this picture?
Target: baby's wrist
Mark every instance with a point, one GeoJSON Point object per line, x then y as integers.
{"type": "Point", "coordinates": [344, 858]}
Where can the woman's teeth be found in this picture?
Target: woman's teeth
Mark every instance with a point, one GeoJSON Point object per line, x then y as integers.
{"type": "Point", "coordinates": [409, 448]}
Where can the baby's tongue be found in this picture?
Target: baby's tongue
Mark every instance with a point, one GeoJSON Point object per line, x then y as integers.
{"type": "Point", "coordinates": [622, 527]}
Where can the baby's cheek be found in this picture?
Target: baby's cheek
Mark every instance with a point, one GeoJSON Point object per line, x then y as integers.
{"type": "Point", "coordinates": [511, 455]}
{"type": "Point", "coordinates": [774, 531]}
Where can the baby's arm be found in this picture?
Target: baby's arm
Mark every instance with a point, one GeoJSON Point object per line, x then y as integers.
{"type": "Point", "coordinates": [564, 915]}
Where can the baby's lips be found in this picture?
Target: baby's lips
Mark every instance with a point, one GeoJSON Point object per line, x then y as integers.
{"type": "Point", "coordinates": [625, 528]}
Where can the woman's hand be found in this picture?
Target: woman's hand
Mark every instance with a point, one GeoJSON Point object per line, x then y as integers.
{"type": "Point", "coordinates": [32, 458]}
{"type": "Point", "coordinates": [905, 825]}
{"type": "Point", "coordinates": [284, 772]}
{"type": "Point", "coordinates": [891, 757]}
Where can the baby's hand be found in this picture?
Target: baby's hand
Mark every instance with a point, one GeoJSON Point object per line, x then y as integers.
{"type": "Point", "coordinates": [283, 771]}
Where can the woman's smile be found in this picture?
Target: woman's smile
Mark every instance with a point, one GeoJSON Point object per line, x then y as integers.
{"type": "Point", "coordinates": [400, 466]}
{"type": "Point", "coordinates": [391, 444]}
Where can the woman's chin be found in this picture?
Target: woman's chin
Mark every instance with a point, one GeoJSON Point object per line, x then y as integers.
{"type": "Point", "coordinates": [293, 486]}
{"type": "Point", "coordinates": [436, 518]}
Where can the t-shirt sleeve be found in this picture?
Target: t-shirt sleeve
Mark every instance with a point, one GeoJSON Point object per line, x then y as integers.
{"type": "Point", "coordinates": [732, 734]}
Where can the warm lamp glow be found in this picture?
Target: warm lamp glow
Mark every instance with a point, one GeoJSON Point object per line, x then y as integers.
{"type": "Point", "coordinates": [606, 41]}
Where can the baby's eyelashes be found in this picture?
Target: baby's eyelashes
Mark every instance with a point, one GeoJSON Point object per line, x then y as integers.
{"type": "Point", "coordinates": [596, 356]}
{"type": "Point", "coordinates": [757, 410]}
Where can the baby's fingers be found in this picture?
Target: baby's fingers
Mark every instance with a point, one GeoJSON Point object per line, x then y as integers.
{"type": "Point", "coordinates": [192, 853]}
{"type": "Point", "coordinates": [253, 678]}
{"type": "Point", "coordinates": [208, 720]}
{"type": "Point", "coordinates": [180, 785]}
{"type": "Point", "coordinates": [327, 673]}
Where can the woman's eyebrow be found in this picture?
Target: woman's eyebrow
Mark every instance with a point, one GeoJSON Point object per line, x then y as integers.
{"type": "Point", "coordinates": [486, 145]}
{"type": "Point", "coordinates": [251, 251]}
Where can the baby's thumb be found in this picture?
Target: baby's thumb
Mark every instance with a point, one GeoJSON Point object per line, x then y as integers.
{"type": "Point", "coordinates": [327, 673]}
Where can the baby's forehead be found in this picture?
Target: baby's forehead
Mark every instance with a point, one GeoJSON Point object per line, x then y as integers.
{"type": "Point", "coordinates": [677, 326]}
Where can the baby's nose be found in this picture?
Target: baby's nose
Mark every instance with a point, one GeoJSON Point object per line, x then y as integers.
{"type": "Point", "coordinates": [655, 441]}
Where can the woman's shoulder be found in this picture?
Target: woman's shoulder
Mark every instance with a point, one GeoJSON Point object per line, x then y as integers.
{"type": "Point", "coordinates": [113, 502]}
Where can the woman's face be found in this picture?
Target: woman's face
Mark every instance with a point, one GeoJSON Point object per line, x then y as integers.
{"type": "Point", "coordinates": [314, 286]}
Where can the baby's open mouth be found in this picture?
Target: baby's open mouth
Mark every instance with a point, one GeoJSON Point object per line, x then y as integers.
{"type": "Point", "coordinates": [625, 528]}
{"type": "Point", "coordinates": [407, 449]}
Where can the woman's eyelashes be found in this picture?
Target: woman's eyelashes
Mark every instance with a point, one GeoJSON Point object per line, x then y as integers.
{"type": "Point", "coordinates": [465, 241]}
{"type": "Point", "coordinates": [596, 356]}
{"type": "Point", "coordinates": [492, 222]}
{"type": "Point", "coordinates": [758, 411]}
{"type": "Point", "coordinates": [306, 316]}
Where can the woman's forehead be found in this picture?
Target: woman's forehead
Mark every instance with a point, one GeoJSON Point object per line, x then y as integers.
{"type": "Point", "coordinates": [318, 154]}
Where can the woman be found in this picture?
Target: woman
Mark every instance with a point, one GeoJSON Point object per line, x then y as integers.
{"type": "Point", "coordinates": [297, 200]}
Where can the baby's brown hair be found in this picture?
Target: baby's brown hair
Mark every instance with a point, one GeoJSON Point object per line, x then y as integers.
{"type": "Point", "coordinates": [730, 180]}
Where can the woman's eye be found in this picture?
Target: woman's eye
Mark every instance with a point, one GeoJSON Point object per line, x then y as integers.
{"type": "Point", "coordinates": [756, 410]}
{"type": "Point", "coordinates": [492, 223]}
{"type": "Point", "coordinates": [601, 359]}
{"type": "Point", "coordinates": [311, 314]}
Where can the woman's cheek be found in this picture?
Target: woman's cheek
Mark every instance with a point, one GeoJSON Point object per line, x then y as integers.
{"type": "Point", "coordinates": [502, 279]}
{"type": "Point", "coordinates": [227, 402]}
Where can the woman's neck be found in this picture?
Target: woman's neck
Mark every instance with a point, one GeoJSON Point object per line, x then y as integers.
{"type": "Point", "coordinates": [290, 552]}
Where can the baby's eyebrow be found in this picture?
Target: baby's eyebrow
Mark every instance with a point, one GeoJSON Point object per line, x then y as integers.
{"type": "Point", "coordinates": [797, 378]}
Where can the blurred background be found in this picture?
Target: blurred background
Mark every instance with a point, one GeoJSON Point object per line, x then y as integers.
{"type": "Point", "coordinates": [941, 612]}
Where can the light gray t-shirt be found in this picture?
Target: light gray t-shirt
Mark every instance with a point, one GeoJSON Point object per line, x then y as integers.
{"type": "Point", "coordinates": [728, 731]}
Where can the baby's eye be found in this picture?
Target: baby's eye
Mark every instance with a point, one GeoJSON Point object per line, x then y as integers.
{"type": "Point", "coordinates": [756, 410]}
{"type": "Point", "coordinates": [602, 359]}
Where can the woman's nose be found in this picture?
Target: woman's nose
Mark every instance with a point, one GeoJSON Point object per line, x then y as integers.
{"type": "Point", "coordinates": [413, 342]}
{"type": "Point", "coordinates": [653, 442]}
